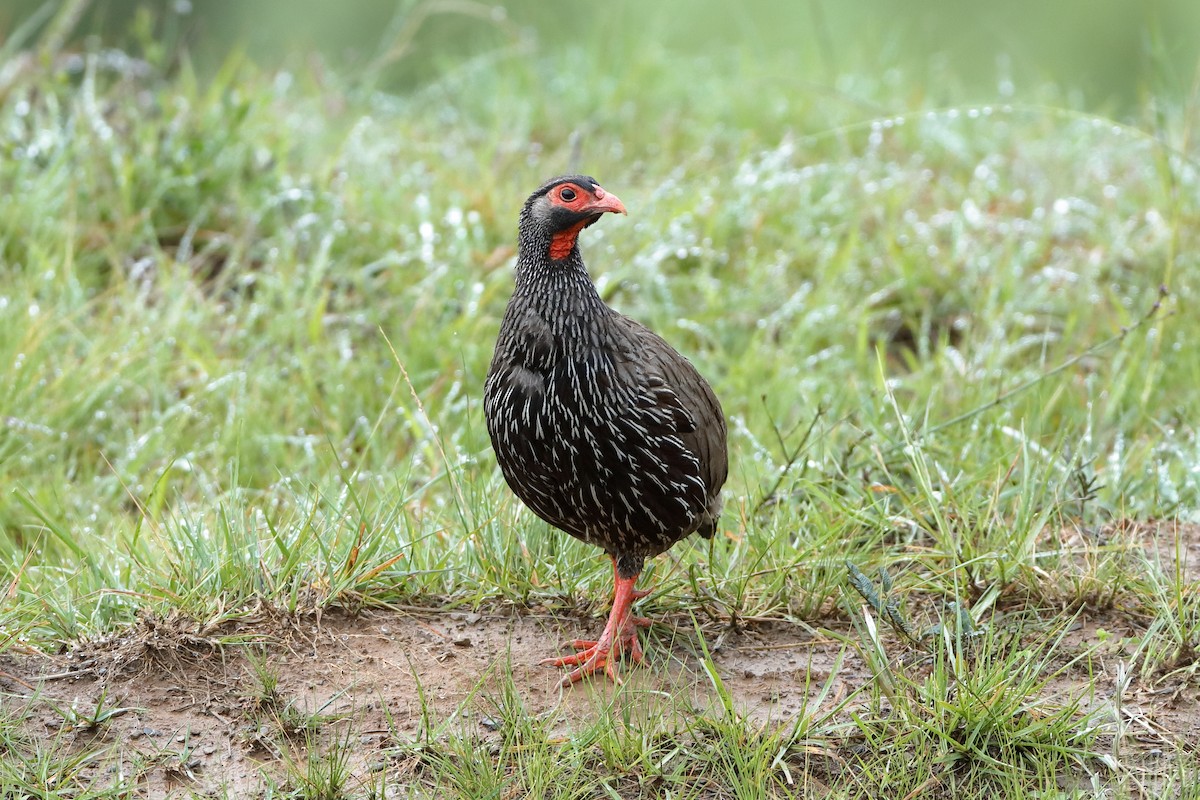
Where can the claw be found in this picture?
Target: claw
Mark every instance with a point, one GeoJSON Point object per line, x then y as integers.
{"type": "Point", "coordinates": [618, 638]}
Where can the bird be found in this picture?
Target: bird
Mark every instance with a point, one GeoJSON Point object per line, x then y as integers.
{"type": "Point", "coordinates": [599, 426]}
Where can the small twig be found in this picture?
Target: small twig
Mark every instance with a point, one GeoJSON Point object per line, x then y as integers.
{"type": "Point", "coordinates": [436, 435]}
{"type": "Point", "coordinates": [791, 458]}
{"type": "Point", "coordinates": [58, 676]}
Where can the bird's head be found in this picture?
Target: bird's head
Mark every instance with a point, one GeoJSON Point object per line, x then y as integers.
{"type": "Point", "coordinates": [554, 215]}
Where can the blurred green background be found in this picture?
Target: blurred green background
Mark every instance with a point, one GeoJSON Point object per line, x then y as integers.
{"type": "Point", "coordinates": [1112, 54]}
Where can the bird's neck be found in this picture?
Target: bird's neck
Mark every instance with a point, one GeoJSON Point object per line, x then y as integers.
{"type": "Point", "coordinates": [557, 297]}
{"type": "Point", "coordinates": [559, 286]}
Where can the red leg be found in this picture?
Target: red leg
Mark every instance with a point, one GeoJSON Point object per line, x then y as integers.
{"type": "Point", "coordinates": [619, 636]}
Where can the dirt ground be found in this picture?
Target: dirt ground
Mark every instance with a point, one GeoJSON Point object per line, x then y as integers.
{"type": "Point", "coordinates": [198, 718]}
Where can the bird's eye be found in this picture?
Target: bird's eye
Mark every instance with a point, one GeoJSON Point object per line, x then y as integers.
{"type": "Point", "coordinates": [567, 194]}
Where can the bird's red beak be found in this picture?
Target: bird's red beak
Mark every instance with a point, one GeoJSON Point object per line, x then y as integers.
{"type": "Point", "coordinates": [605, 201]}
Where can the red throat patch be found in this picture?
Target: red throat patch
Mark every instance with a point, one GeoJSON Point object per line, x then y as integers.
{"type": "Point", "coordinates": [562, 242]}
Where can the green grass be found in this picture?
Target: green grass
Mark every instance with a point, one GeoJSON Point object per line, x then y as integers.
{"type": "Point", "coordinates": [245, 319]}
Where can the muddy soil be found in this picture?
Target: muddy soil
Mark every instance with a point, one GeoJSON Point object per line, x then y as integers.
{"type": "Point", "coordinates": [225, 710]}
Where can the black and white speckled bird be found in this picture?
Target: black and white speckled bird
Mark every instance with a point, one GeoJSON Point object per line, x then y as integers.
{"type": "Point", "coordinates": [602, 428]}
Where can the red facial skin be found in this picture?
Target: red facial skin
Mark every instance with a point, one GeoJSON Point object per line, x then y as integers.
{"type": "Point", "coordinates": [594, 202]}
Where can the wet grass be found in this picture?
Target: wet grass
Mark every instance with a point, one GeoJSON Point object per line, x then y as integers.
{"type": "Point", "coordinates": [244, 323]}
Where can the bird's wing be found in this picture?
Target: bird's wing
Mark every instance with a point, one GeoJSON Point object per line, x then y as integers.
{"type": "Point", "coordinates": [671, 384]}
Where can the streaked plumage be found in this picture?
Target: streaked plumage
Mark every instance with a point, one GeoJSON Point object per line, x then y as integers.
{"type": "Point", "coordinates": [599, 425]}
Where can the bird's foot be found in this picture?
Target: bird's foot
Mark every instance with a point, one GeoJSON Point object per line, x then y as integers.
{"type": "Point", "coordinates": [618, 638]}
{"type": "Point", "coordinates": [602, 655]}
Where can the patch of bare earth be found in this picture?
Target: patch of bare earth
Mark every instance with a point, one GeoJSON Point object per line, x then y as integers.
{"type": "Point", "coordinates": [198, 718]}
